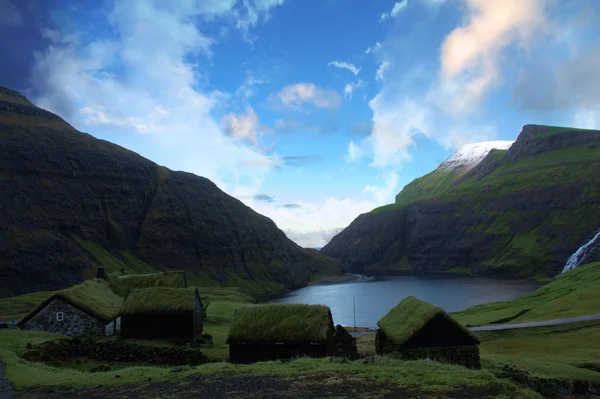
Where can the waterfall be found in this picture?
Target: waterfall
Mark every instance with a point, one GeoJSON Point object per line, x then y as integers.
{"type": "Point", "coordinates": [576, 259]}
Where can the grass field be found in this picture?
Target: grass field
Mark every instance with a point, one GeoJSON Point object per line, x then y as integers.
{"type": "Point", "coordinates": [571, 294]}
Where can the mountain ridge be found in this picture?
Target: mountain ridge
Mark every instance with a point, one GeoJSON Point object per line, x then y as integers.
{"type": "Point", "coordinates": [519, 212]}
{"type": "Point", "coordinates": [72, 202]}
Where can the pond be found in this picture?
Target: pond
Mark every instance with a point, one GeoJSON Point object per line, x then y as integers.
{"type": "Point", "coordinates": [364, 302]}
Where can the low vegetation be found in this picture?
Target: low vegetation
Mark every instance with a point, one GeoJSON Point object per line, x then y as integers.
{"type": "Point", "coordinates": [289, 322]}
{"type": "Point", "coordinates": [159, 300]}
{"type": "Point", "coordinates": [570, 294]}
{"type": "Point", "coordinates": [123, 284]}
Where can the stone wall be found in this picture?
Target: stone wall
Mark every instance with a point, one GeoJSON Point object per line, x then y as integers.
{"type": "Point", "coordinates": [113, 350]}
{"type": "Point", "coordinates": [75, 322]}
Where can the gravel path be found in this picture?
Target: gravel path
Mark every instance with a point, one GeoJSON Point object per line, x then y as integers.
{"type": "Point", "coordinates": [553, 322]}
{"type": "Point", "coordinates": [6, 390]}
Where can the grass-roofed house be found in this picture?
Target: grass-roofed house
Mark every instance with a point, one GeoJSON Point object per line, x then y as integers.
{"type": "Point", "coordinates": [122, 284]}
{"type": "Point", "coordinates": [415, 329]}
{"type": "Point", "coordinates": [280, 331]}
{"type": "Point", "coordinates": [87, 309]}
{"type": "Point", "coordinates": [162, 313]}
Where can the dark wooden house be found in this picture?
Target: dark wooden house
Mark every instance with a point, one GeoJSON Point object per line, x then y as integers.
{"type": "Point", "coordinates": [280, 331]}
{"type": "Point", "coordinates": [87, 309]}
{"type": "Point", "coordinates": [162, 313]}
{"type": "Point", "coordinates": [414, 329]}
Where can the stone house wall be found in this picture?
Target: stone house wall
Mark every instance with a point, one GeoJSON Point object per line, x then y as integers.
{"type": "Point", "coordinates": [75, 322]}
{"type": "Point", "coordinates": [114, 327]}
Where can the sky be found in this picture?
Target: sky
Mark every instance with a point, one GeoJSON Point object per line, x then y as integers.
{"type": "Point", "coordinates": [309, 111]}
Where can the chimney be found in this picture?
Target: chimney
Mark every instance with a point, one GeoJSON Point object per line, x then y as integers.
{"type": "Point", "coordinates": [101, 273]}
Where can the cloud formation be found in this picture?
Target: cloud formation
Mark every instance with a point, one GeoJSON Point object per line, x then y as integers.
{"type": "Point", "coordinates": [295, 95]}
{"type": "Point", "coordinates": [159, 99]}
{"type": "Point", "coordinates": [352, 87]}
{"type": "Point", "coordinates": [471, 58]}
{"type": "Point", "coordinates": [398, 6]}
{"type": "Point", "coordinates": [471, 54]}
{"type": "Point", "coordinates": [244, 126]}
{"type": "Point", "coordinates": [345, 65]}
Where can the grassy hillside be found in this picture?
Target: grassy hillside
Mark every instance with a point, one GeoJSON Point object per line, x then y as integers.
{"type": "Point", "coordinates": [520, 213]}
{"type": "Point", "coordinates": [574, 293]}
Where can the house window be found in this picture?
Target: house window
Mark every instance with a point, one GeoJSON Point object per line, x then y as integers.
{"type": "Point", "coordinates": [60, 316]}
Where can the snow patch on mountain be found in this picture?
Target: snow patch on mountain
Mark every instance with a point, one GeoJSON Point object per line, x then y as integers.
{"type": "Point", "coordinates": [471, 154]}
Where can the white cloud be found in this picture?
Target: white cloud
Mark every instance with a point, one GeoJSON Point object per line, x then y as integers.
{"type": "Point", "coordinates": [313, 224]}
{"type": "Point", "coordinates": [471, 59]}
{"type": "Point", "coordinates": [244, 126]}
{"type": "Point", "coordinates": [384, 194]}
{"type": "Point", "coordinates": [471, 54]}
{"type": "Point", "coordinates": [587, 119]}
{"type": "Point", "coordinates": [398, 6]}
{"type": "Point", "coordinates": [10, 15]}
{"type": "Point", "coordinates": [373, 48]}
{"type": "Point", "coordinates": [354, 152]}
{"type": "Point", "coordinates": [297, 94]}
{"type": "Point", "coordinates": [160, 98]}
{"type": "Point", "coordinates": [351, 87]}
{"type": "Point", "coordinates": [381, 70]}
{"type": "Point", "coordinates": [246, 89]}
{"type": "Point", "coordinates": [345, 65]}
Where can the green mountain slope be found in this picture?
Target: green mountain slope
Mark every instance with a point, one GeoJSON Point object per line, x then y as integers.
{"type": "Point", "coordinates": [70, 202]}
{"type": "Point", "coordinates": [519, 212]}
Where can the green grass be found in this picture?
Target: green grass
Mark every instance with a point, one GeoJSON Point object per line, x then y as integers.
{"type": "Point", "coordinates": [571, 294]}
{"type": "Point", "coordinates": [104, 258]}
{"type": "Point", "coordinates": [558, 352]}
{"type": "Point", "coordinates": [408, 317]}
{"type": "Point", "coordinates": [159, 300]}
{"type": "Point", "coordinates": [552, 130]}
{"type": "Point", "coordinates": [280, 323]}
{"type": "Point", "coordinates": [123, 284]}
{"type": "Point", "coordinates": [15, 308]}
{"type": "Point", "coordinates": [93, 296]}
{"type": "Point", "coordinates": [422, 373]}
{"type": "Point", "coordinates": [431, 185]}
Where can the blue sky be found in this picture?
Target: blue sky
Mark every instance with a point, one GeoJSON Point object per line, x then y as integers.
{"type": "Point", "coordinates": [309, 111]}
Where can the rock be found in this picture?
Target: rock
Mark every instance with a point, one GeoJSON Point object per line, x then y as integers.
{"type": "Point", "coordinates": [61, 188]}
{"type": "Point", "coordinates": [177, 369]}
{"type": "Point", "coordinates": [549, 390]}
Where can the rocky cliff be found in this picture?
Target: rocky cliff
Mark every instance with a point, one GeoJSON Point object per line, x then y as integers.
{"type": "Point", "coordinates": [70, 202]}
{"type": "Point", "coordinates": [519, 212]}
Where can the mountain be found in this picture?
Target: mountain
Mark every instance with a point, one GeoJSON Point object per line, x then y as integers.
{"type": "Point", "coordinates": [70, 202]}
{"type": "Point", "coordinates": [520, 211]}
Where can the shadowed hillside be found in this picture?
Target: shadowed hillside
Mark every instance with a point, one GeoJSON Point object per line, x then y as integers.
{"type": "Point", "coordinates": [70, 202]}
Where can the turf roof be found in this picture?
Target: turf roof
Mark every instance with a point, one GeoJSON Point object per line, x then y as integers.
{"type": "Point", "coordinates": [411, 315]}
{"type": "Point", "coordinates": [123, 284]}
{"type": "Point", "coordinates": [92, 296]}
{"type": "Point", "coordinates": [159, 300]}
{"type": "Point", "coordinates": [280, 323]}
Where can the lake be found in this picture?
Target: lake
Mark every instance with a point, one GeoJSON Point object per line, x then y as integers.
{"type": "Point", "coordinates": [373, 299]}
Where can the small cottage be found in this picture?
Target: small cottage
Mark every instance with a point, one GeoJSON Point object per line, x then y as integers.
{"type": "Point", "coordinates": [87, 309]}
{"type": "Point", "coordinates": [280, 331]}
{"type": "Point", "coordinates": [162, 313]}
{"type": "Point", "coordinates": [415, 329]}
{"type": "Point", "coordinates": [122, 284]}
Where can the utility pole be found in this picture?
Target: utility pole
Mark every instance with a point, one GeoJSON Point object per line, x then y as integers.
{"type": "Point", "coordinates": [354, 309]}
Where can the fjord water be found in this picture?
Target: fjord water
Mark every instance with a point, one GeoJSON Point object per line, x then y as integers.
{"type": "Point", "coordinates": [373, 299]}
